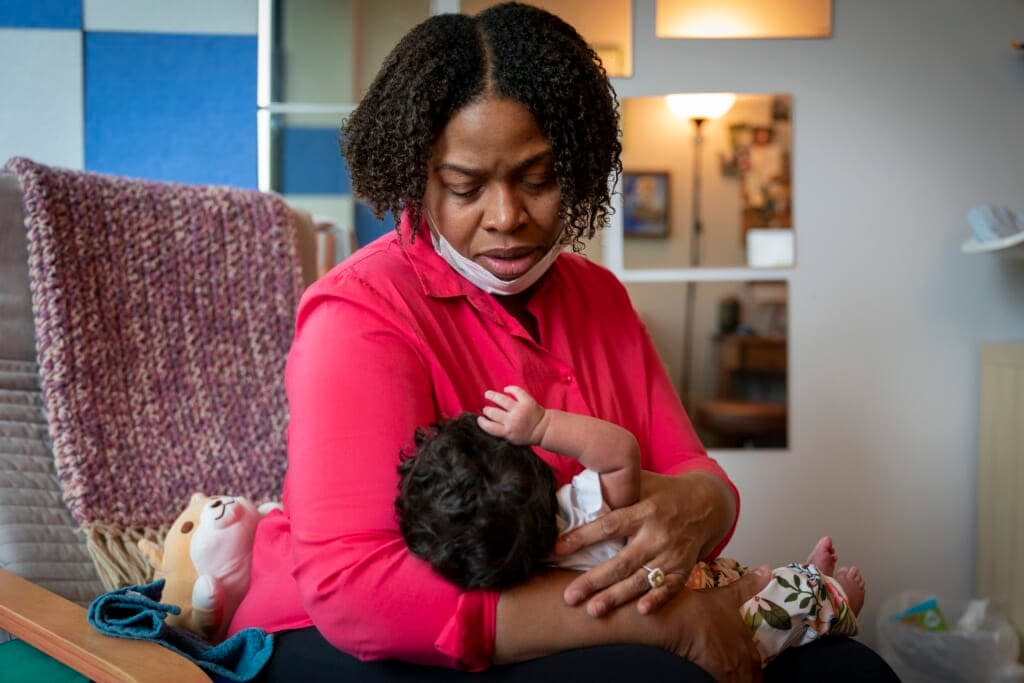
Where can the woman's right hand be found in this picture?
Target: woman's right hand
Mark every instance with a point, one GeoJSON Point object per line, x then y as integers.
{"type": "Point", "coordinates": [711, 632]}
{"type": "Point", "coordinates": [705, 627]}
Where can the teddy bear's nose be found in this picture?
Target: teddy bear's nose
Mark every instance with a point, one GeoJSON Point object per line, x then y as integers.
{"type": "Point", "coordinates": [216, 504]}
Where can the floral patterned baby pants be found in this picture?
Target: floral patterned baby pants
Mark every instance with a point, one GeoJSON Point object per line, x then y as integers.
{"type": "Point", "coordinates": [798, 606]}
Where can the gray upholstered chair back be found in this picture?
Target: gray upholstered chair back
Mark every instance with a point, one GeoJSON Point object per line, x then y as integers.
{"type": "Point", "coordinates": [38, 540]}
{"type": "Point", "coordinates": [17, 341]}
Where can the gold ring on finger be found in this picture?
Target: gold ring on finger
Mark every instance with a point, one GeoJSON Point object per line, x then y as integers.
{"type": "Point", "coordinates": [655, 577]}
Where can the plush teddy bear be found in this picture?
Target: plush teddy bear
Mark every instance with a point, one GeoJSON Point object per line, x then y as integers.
{"type": "Point", "coordinates": [205, 561]}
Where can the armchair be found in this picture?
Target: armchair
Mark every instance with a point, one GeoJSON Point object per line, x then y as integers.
{"type": "Point", "coordinates": [59, 298]}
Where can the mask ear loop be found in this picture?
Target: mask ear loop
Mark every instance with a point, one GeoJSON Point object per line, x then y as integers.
{"type": "Point", "coordinates": [563, 236]}
{"type": "Point", "coordinates": [431, 225]}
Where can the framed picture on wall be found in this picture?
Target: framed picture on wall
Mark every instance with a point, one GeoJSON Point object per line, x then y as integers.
{"type": "Point", "coordinates": [645, 203]}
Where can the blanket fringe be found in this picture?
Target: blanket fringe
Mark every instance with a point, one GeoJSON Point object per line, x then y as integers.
{"type": "Point", "coordinates": [115, 552]}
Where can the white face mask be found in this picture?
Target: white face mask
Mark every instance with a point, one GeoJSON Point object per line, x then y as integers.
{"type": "Point", "coordinates": [485, 279]}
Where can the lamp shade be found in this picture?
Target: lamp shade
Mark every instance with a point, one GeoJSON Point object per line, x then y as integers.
{"type": "Point", "coordinates": [704, 105]}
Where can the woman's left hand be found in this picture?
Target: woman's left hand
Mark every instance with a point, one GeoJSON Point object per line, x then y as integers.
{"type": "Point", "coordinates": [677, 520]}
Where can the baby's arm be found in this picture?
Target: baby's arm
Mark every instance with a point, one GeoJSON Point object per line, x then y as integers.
{"type": "Point", "coordinates": [606, 448]}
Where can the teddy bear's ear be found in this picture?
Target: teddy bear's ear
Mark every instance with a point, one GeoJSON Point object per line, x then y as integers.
{"type": "Point", "coordinates": [153, 553]}
{"type": "Point", "coordinates": [267, 507]}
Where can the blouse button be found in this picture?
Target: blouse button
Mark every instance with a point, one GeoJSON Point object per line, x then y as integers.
{"type": "Point", "coordinates": [566, 379]}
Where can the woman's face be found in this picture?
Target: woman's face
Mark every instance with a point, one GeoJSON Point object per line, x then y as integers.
{"type": "Point", "coordinates": [491, 187]}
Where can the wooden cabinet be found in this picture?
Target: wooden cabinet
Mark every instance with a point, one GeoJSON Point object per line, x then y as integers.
{"type": "Point", "coordinates": [739, 417]}
{"type": "Point", "coordinates": [743, 354]}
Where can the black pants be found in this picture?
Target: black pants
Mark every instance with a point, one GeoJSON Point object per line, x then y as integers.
{"type": "Point", "coordinates": [303, 655]}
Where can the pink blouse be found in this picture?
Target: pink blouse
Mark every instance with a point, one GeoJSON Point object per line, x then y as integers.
{"type": "Point", "coordinates": [393, 339]}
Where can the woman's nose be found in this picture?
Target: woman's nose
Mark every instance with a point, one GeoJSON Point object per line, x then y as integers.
{"type": "Point", "coordinates": [505, 211]}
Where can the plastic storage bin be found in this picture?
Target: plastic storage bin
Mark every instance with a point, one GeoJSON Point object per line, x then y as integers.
{"type": "Point", "coordinates": [986, 654]}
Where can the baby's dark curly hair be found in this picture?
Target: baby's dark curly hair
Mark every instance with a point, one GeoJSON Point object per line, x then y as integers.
{"type": "Point", "coordinates": [480, 509]}
{"type": "Point", "coordinates": [450, 60]}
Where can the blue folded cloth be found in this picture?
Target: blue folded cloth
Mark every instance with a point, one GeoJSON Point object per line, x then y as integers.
{"type": "Point", "coordinates": [136, 612]}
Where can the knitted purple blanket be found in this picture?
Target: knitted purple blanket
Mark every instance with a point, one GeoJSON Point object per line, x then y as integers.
{"type": "Point", "coordinates": [163, 315]}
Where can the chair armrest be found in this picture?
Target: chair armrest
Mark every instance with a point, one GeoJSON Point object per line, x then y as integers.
{"type": "Point", "coordinates": [307, 244]}
{"type": "Point", "coordinates": [59, 628]}
{"type": "Point", "coordinates": [315, 239]}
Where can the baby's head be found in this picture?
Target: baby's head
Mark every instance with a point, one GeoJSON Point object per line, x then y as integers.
{"type": "Point", "coordinates": [481, 510]}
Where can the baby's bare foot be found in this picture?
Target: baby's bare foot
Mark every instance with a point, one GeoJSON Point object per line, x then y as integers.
{"type": "Point", "coordinates": [853, 585]}
{"type": "Point", "coordinates": [823, 556]}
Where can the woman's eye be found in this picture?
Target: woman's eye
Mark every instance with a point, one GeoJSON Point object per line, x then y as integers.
{"type": "Point", "coordinates": [462, 192]}
{"type": "Point", "coordinates": [536, 183]}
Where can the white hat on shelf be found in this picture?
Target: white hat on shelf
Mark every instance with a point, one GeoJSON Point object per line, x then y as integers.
{"type": "Point", "coordinates": [995, 228]}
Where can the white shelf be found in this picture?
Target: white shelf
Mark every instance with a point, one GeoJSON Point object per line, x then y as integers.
{"type": "Point", "coordinates": [1008, 246]}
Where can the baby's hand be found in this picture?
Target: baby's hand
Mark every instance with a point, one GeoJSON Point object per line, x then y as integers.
{"type": "Point", "coordinates": [516, 416]}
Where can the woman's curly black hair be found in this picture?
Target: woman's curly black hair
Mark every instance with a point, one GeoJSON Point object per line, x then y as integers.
{"type": "Point", "coordinates": [450, 60]}
{"type": "Point", "coordinates": [481, 510]}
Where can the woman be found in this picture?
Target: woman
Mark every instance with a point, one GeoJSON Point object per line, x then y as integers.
{"type": "Point", "coordinates": [493, 137]}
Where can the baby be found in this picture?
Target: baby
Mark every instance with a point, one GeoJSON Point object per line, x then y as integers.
{"type": "Point", "coordinates": [482, 508]}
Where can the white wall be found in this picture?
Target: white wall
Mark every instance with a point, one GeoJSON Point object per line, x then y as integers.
{"type": "Point", "coordinates": [41, 110]}
{"type": "Point", "coordinates": [909, 115]}
{"type": "Point", "coordinates": [225, 17]}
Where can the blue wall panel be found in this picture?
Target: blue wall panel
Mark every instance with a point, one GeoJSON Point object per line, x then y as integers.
{"type": "Point", "coordinates": [41, 13]}
{"type": "Point", "coordinates": [311, 162]}
{"type": "Point", "coordinates": [171, 107]}
{"type": "Point", "coordinates": [368, 228]}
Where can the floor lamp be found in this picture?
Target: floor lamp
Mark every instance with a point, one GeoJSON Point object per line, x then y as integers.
{"type": "Point", "coordinates": [698, 108]}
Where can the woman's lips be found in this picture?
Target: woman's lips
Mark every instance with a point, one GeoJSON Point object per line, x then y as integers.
{"type": "Point", "coordinates": [508, 264]}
